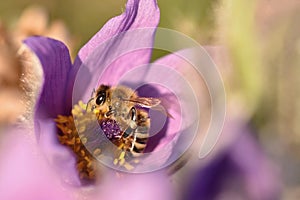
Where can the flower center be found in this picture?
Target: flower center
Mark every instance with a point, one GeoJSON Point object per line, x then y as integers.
{"type": "Point", "coordinates": [69, 137]}
{"type": "Point", "coordinates": [83, 136]}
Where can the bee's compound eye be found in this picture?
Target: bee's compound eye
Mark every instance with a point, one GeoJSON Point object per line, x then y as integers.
{"type": "Point", "coordinates": [133, 113]}
{"type": "Point", "coordinates": [101, 98]}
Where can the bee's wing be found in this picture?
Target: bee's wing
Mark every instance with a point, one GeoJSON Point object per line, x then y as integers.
{"type": "Point", "coordinates": [160, 108]}
{"type": "Point", "coordinates": [152, 103]}
{"type": "Point", "coordinates": [146, 102]}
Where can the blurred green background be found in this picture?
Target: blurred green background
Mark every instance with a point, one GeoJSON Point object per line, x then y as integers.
{"type": "Point", "coordinates": [262, 41]}
{"type": "Point", "coordinates": [85, 18]}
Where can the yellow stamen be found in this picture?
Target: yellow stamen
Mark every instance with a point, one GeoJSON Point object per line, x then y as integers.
{"type": "Point", "coordinates": [122, 155]}
{"type": "Point", "coordinates": [128, 166]}
{"type": "Point", "coordinates": [73, 135]}
{"type": "Point", "coordinates": [69, 137]}
{"type": "Point", "coordinates": [122, 161]}
{"type": "Point", "coordinates": [116, 161]}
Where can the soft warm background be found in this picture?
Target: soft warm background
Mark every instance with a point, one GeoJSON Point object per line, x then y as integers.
{"type": "Point", "coordinates": [261, 70]}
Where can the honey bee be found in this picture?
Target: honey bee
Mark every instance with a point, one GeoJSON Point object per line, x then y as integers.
{"type": "Point", "coordinates": [123, 116]}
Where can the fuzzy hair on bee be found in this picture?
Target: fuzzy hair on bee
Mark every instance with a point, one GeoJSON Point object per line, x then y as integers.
{"type": "Point", "coordinates": [120, 106]}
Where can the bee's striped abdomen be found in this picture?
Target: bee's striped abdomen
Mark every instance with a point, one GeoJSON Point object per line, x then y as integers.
{"type": "Point", "coordinates": [141, 133]}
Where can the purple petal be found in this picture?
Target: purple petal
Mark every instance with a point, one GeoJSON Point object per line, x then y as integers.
{"type": "Point", "coordinates": [25, 174]}
{"type": "Point", "coordinates": [54, 100]}
{"type": "Point", "coordinates": [55, 60]}
{"type": "Point", "coordinates": [166, 79]}
{"type": "Point", "coordinates": [122, 44]}
{"type": "Point", "coordinates": [59, 157]}
{"type": "Point", "coordinates": [135, 186]}
{"type": "Point", "coordinates": [138, 14]}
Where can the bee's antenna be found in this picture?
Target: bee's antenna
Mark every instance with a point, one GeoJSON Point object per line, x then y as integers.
{"type": "Point", "coordinates": [93, 92]}
{"type": "Point", "coordinates": [88, 103]}
{"type": "Point", "coordinates": [90, 99]}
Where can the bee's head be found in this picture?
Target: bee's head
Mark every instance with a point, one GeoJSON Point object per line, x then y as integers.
{"type": "Point", "coordinates": [101, 97]}
{"type": "Point", "coordinates": [99, 103]}
{"type": "Point", "coordinates": [108, 101]}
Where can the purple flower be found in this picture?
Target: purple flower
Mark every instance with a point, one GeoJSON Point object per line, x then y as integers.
{"type": "Point", "coordinates": [240, 170]}
{"type": "Point", "coordinates": [66, 83]}
{"type": "Point", "coordinates": [37, 179]}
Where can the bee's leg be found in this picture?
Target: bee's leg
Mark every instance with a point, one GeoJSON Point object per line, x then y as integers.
{"type": "Point", "coordinates": [130, 129]}
{"type": "Point", "coordinates": [133, 118]}
{"type": "Point", "coordinates": [127, 132]}
{"type": "Point", "coordinates": [133, 142]}
{"type": "Point", "coordinates": [110, 112]}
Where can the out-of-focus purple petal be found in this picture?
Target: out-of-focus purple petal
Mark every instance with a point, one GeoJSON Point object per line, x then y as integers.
{"type": "Point", "coordinates": [58, 156]}
{"type": "Point", "coordinates": [240, 171]}
{"type": "Point", "coordinates": [148, 186]}
{"type": "Point", "coordinates": [55, 60]}
{"type": "Point", "coordinates": [122, 44]}
{"type": "Point", "coordinates": [24, 172]}
{"type": "Point", "coordinates": [261, 179]}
